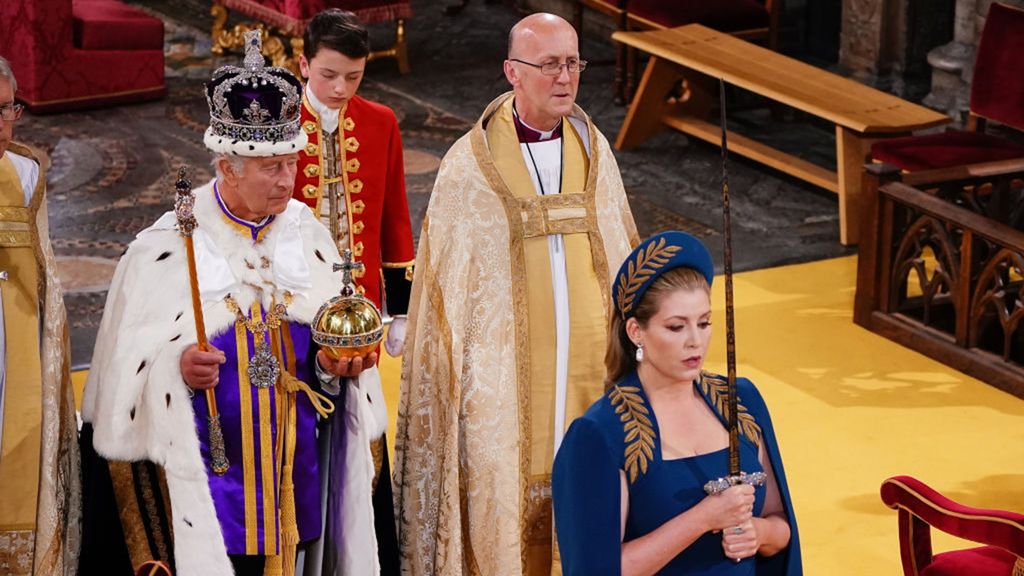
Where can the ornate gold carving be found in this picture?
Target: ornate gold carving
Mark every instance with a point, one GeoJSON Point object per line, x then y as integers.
{"type": "Point", "coordinates": [634, 414]}
{"type": "Point", "coordinates": [274, 43]}
{"type": "Point", "coordinates": [398, 51]}
{"type": "Point", "coordinates": [716, 388]}
{"type": "Point", "coordinates": [647, 263]}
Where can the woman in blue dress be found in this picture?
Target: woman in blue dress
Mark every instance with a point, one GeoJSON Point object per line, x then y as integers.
{"type": "Point", "coordinates": [628, 479]}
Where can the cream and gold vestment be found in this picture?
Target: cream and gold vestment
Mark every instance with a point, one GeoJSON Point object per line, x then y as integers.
{"type": "Point", "coordinates": [476, 421]}
{"type": "Point", "coordinates": [40, 498]}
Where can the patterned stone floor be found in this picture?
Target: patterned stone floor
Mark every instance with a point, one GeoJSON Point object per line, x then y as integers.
{"type": "Point", "coordinates": [112, 169]}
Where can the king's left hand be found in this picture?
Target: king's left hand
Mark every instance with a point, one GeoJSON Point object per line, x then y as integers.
{"type": "Point", "coordinates": [395, 343]}
{"type": "Point", "coordinates": [346, 367]}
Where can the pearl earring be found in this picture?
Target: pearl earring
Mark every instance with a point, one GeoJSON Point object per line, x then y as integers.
{"type": "Point", "coordinates": [639, 353]}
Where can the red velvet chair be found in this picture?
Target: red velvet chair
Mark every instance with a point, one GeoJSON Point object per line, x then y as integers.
{"type": "Point", "coordinates": [754, 20]}
{"type": "Point", "coordinates": [69, 54]}
{"type": "Point", "coordinates": [997, 93]}
{"type": "Point", "coordinates": [616, 10]}
{"type": "Point", "coordinates": [920, 507]}
{"type": "Point", "coordinates": [289, 18]}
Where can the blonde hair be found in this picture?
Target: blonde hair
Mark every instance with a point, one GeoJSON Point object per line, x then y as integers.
{"type": "Point", "coordinates": [620, 356]}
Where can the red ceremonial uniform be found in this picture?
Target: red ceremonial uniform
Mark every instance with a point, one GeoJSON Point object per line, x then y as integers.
{"type": "Point", "coordinates": [371, 173]}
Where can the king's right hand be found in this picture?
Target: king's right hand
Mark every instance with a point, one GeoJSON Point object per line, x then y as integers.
{"type": "Point", "coordinates": [201, 369]}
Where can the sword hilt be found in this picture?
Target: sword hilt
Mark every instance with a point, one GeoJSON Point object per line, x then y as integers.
{"type": "Point", "coordinates": [720, 485]}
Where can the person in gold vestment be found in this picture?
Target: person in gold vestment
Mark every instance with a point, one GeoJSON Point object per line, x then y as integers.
{"type": "Point", "coordinates": [507, 319]}
{"type": "Point", "coordinates": [40, 496]}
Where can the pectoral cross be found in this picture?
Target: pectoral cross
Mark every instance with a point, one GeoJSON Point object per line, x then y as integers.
{"type": "Point", "coordinates": [347, 266]}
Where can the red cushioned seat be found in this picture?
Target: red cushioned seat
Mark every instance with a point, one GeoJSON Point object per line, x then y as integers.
{"type": "Point", "coordinates": [943, 150]}
{"type": "Point", "coordinates": [973, 561]}
{"type": "Point", "coordinates": [723, 15]}
{"type": "Point", "coordinates": [922, 508]}
{"type": "Point", "coordinates": [997, 93]}
{"type": "Point", "coordinates": [55, 74]}
{"type": "Point", "coordinates": [111, 25]}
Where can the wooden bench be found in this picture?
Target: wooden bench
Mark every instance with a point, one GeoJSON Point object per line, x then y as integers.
{"type": "Point", "coordinates": [700, 55]}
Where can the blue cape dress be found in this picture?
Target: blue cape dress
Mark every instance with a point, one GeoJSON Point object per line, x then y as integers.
{"type": "Point", "coordinates": [619, 432]}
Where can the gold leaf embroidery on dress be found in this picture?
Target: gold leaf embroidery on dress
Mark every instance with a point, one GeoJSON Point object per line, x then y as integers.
{"type": "Point", "coordinates": [717, 389]}
{"type": "Point", "coordinates": [634, 414]}
{"type": "Point", "coordinates": [639, 271]}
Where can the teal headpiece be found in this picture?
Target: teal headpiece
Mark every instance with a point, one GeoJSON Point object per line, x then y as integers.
{"type": "Point", "coordinates": [652, 258]}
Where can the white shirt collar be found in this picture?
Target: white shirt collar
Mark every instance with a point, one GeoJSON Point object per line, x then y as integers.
{"type": "Point", "coordinates": [328, 116]}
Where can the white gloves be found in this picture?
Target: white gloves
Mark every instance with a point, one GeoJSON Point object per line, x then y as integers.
{"type": "Point", "coordinates": [395, 343]}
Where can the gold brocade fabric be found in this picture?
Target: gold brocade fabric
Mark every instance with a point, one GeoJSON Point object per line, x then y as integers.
{"type": "Point", "coordinates": [40, 501]}
{"type": "Point", "coordinates": [586, 308]}
{"type": "Point", "coordinates": [466, 498]}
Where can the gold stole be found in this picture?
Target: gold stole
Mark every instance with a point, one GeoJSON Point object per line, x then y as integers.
{"type": "Point", "coordinates": [565, 214]}
{"type": "Point", "coordinates": [19, 463]}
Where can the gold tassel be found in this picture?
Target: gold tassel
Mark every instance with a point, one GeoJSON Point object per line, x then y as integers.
{"type": "Point", "coordinates": [289, 524]}
{"type": "Point", "coordinates": [273, 566]}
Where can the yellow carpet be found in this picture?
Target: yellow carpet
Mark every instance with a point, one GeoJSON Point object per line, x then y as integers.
{"type": "Point", "coordinates": [850, 409]}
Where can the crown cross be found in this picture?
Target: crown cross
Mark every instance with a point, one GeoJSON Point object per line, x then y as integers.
{"type": "Point", "coordinates": [253, 60]}
{"type": "Point", "coordinates": [346, 267]}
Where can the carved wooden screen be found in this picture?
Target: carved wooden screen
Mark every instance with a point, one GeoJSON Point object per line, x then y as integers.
{"type": "Point", "coordinates": [941, 266]}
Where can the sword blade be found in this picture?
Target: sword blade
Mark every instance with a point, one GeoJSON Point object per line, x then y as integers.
{"type": "Point", "coordinates": [730, 327]}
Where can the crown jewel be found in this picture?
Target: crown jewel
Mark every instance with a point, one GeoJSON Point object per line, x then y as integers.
{"type": "Point", "coordinates": [254, 110]}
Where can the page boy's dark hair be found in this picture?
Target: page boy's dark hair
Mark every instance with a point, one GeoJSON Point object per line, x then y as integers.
{"type": "Point", "coordinates": [337, 30]}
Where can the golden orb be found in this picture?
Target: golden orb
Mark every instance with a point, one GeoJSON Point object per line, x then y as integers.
{"type": "Point", "coordinates": [348, 325]}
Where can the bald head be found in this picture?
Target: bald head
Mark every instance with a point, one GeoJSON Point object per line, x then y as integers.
{"type": "Point", "coordinates": [536, 41]}
{"type": "Point", "coordinates": [537, 28]}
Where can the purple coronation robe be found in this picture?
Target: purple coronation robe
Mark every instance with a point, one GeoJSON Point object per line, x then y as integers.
{"type": "Point", "coordinates": [247, 498]}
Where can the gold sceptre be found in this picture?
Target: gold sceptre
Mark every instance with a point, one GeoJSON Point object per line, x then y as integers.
{"type": "Point", "coordinates": [183, 204]}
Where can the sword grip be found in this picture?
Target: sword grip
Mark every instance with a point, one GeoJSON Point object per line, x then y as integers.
{"type": "Point", "coordinates": [719, 485]}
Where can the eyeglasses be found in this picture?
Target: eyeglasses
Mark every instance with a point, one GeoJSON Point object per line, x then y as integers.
{"type": "Point", "coordinates": [11, 112]}
{"type": "Point", "coordinates": [572, 65]}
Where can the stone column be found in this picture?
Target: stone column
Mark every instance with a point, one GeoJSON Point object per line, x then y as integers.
{"type": "Point", "coordinates": [952, 63]}
{"type": "Point", "coordinates": [872, 41]}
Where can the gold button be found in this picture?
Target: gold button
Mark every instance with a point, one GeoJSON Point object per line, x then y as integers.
{"type": "Point", "coordinates": [355, 186]}
{"type": "Point", "coordinates": [358, 207]}
{"type": "Point", "coordinates": [311, 170]}
{"type": "Point", "coordinates": [310, 191]}
{"type": "Point", "coordinates": [360, 289]}
{"type": "Point", "coordinates": [309, 126]}
{"type": "Point", "coordinates": [351, 144]}
{"type": "Point", "coordinates": [408, 273]}
{"type": "Point", "coordinates": [349, 124]}
{"type": "Point", "coordinates": [352, 165]}
{"type": "Point", "coordinates": [359, 273]}
{"type": "Point", "coordinates": [357, 227]}
{"type": "Point", "coordinates": [312, 149]}
{"type": "Point", "coordinates": [357, 250]}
